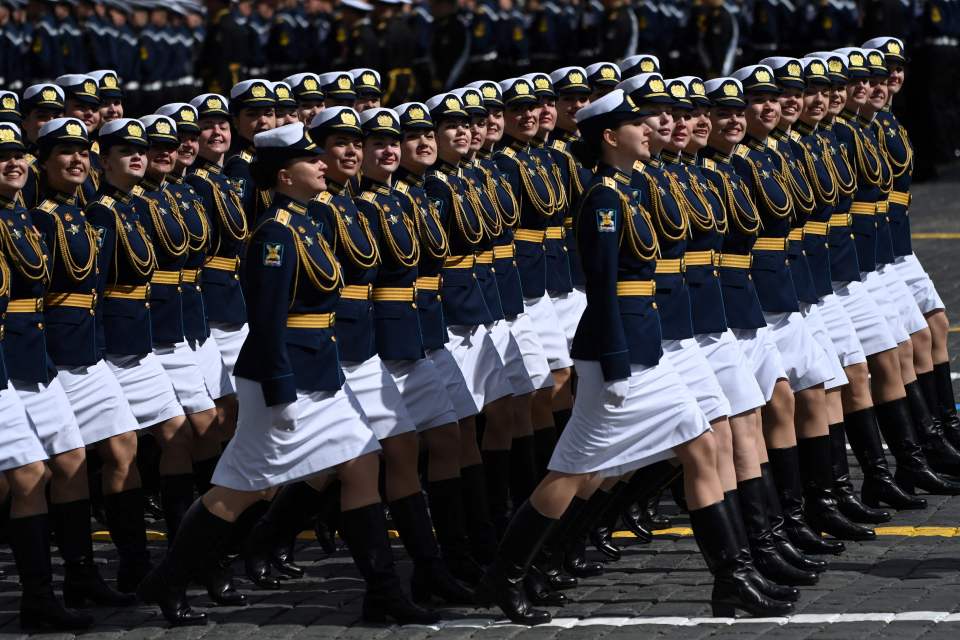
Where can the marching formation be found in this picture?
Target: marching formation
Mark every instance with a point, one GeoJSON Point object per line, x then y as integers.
{"type": "Point", "coordinates": [511, 316]}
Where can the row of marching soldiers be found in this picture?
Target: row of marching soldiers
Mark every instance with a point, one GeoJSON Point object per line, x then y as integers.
{"type": "Point", "coordinates": [328, 287]}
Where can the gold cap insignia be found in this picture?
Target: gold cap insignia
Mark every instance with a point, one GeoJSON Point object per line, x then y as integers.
{"type": "Point", "coordinates": [451, 103]}
{"type": "Point", "coordinates": [310, 84]}
{"type": "Point", "coordinates": [7, 135]}
{"type": "Point", "coordinates": [73, 129]}
{"type": "Point", "coordinates": [894, 47]}
{"type": "Point", "coordinates": [473, 99]}
{"type": "Point", "coordinates": [384, 120]}
{"type": "Point", "coordinates": [415, 113]}
{"type": "Point", "coordinates": [856, 60]}
{"type": "Point", "coordinates": [368, 79]}
{"type": "Point", "coordinates": [522, 88]}
{"type": "Point", "coordinates": [343, 82]}
{"type": "Point", "coordinates": [817, 68]}
{"type": "Point", "coordinates": [698, 88]}
{"type": "Point", "coordinates": [647, 66]}
{"type": "Point", "coordinates": [187, 115]}
{"type": "Point", "coordinates": [258, 91]}
{"type": "Point", "coordinates": [89, 87]}
{"type": "Point", "coordinates": [762, 75]}
{"type": "Point", "coordinates": [214, 103]}
{"type": "Point", "coordinates": [656, 85]}
{"type": "Point", "coordinates": [730, 89]}
{"type": "Point", "coordinates": [489, 91]}
{"type": "Point", "coordinates": [110, 82]}
{"type": "Point", "coordinates": [835, 66]}
{"type": "Point", "coordinates": [876, 59]}
{"type": "Point", "coordinates": [608, 73]}
{"type": "Point", "coordinates": [678, 90]}
{"type": "Point", "coordinates": [541, 83]}
{"type": "Point", "coordinates": [348, 118]}
{"type": "Point", "coordinates": [134, 130]}
{"type": "Point", "coordinates": [49, 94]}
{"type": "Point", "coordinates": [283, 92]}
{"type": "Point", "coordinates": [576, 77]}
{"type": "Point", "coordinates": [793, 70]}
{"type": "Point", "coordinates": [9, 102]}
{"type": "Point", "coordinates": [163, 127]}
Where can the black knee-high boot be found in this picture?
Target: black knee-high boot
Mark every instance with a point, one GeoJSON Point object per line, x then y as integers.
{"type": "Point", "coordinates": [39, 607]}
{"type": "Point", "coordinates": [199, 543]}
{"type": "Point", "coordinates": [148, 465]}
{"type": "Point", "coordinates": [176, 496]}
{"type": "Point", "coordinates": [913, 470]}
{"type": "Point", "coordinates": [128, 531]}
{"type": "Point", "coordinates": [502, 583]}
{"type": "Point", "coordinates": [848, 501]}
{"type": "Point", "coordinates": [946, 405]}
{"type": "Point", "coordinates": [785, 468]}
{"type": "Point", "coordinates": [496, 466]}
{"type": "Point", "coordinates": [203, 473]}
{"type": "Point", "coordinates": [544, 441]}
{"type": "Point", "coordinates": [430, 575]}
{"type": "Point", "coordinates": [560, 419]}
{"type": "Point", "coordinates": [733, 588]}
{"type": "Point", "coordinates": [82, 582]}
{"type": "Point", "coordinates": [940, 454]}
{"type": "Point", "coordinates": [785, 546]}
{"type": "Point", "coordinates": [524, 473]}
{"type": "Point", "coordinates": [646, 483]}
{"type": "Point", "coordinates": [365, 532]}
{"type": "Point", "coordinates": [447, 510]}
{"type": "Point", "coordinates": [574, 547]}
{"type": "Point", "coordinates": [480, 525]}
{"type": "Point", "coordinates": [878, 483]}
{"type": "Point", "coordinates": [819, 505]}
{"type": "Point", "coordinates": [601, 534]}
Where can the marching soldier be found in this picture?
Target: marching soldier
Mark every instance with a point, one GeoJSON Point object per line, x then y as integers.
{"type": "Point", "coordinates": [307, 93]}
{"type": "Point", "coordinates": [253, 107]}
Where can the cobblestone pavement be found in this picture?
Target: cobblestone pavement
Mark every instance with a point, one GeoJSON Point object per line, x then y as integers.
{"type": "Point", "coordinates": [904, 585]}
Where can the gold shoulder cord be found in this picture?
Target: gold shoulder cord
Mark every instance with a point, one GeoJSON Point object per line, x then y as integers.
{"type": "Point", "coordinates": [686, 209]}
{"type": "Point", "coordinates": [237, 232]}
{"type": "Point", "coordinates": [640, 250]}
{"type": "Point", "coordinates": [404, 259]}
{"type": "Point", "coordinates": [143, 266]}
{"type": "Point", "coordinates": [31, 271]}
{"type": "Point", "coordinates": [492, 224]}
{"type": "Point", "coordinates": [896, 168]}
{"type": "Point", "coordinates": [847, 188]}
{"type": "Point", "coordinates": [506, 219]}
{"type": "Point", "coordinates": [470, 235]}
{"type": "Point", "coordinates": [4, 279]}
{"type": "Point", "coordinates": [706, 222]}
{"type": "Point", "coordinates": [547, 207]}
{"type": "Point", "coordinates": [76, 272]}
{"type": "Point", "coordinates": [825, 194]}
{"type": "Point", "coordinates": [561, 191]}
{"type": "Point", "coordinates": [777, 211]}
{"type": "Point", "coordinates": [172, 248]}
{"type": "Point", "coordinates": [800, 189]}
{"type": "Point", "coordinates": [747, 222]}
{"type": "Point", "coordinates": [195, 243]}
{"type": "Point", "coordinates": [868, 159]}
{"type": "Point", "coordinates": [665, 227]}
{"type": "Point", "coordinates": [436, 247]}
{"type": "Point", "coordinates": [362, 260]}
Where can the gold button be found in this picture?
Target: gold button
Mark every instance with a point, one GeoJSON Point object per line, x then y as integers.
{"type": "Point", "coordinates": [147, 305]}
{"type": "Point", "coordinates": [40, 325]}
{"type": "Point", "coordinates": [653, 305]}
{"type": "Point", "coordinates": [852, 236]}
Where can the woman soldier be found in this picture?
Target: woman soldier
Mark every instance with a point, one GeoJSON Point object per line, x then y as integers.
{"type": "Point", "coordinates": [744, 315]}
{"type": "Point", "coordinates": [286, 111]}
{"type": "Point", "coordinates": [896, 146]}
{"type": "Point", "coordinates": [111, 95]}
{"type": "Point", "coordinates": [253, 107]}
{"type": "Point", "coordinates": [41, 103]}
{"type": "Point", "coordinates": [309, 96]}
{"type": "Point", "coordinates": [289, 384]}
{"type": "Point", "coordinates": [23, 450]}
{"type": "Point", "coordinates": [632, 409]}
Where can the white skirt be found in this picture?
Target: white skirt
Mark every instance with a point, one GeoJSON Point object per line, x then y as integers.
{"type": "Point", "coordinates": [764, 358]}
{"type": "Point", "coordinates": [550, 329]}
{"type": "Point", "coordinates": [733, 371]}
{"type": "Point", "coordinates": [377, 393]}
{"type": "Point", "coordinates": [919, 283]}
{"type": "Point", "coordinates": [811, 315]}
{"type": "Point", "coordinates": [480, 364]}
{"type": "Point", "coordinates": [842, 333]}
{"type": "Point", "coordinates": [512, 359]}
{"type": "Point", "coordinates": [50, 415]}
{"type": "Point", "coordinates": [803, 358]}
{"type": "Point", "coordinates": [569, 308]}
{"type": "Point", "coordinates": [874, 333]}
{"type": "Point", "coordinates": [147, 388]}
{"type": "Point", "coordinates": [98, 402]}
{"type": "Point", "coordinates": [457, 390]}
{"type": "Point", "coordinates": [181, 363]}
{"type": "Point", "coordinates": [877, 290]}
{"type": "Point", "coordinates": [215, 374]}
{"type": "Point", "coordinates": [900, 295]}
{"type": "Point", "coordinates": [19, 444]}
{"type": "Point", "coordinates": [423, 391]}
{"type": "Point", "coordinates": [230, 338]}
{"type": "Point", "coordinates": [329, 430]}
{"type": "Point", "coordinates": [695, 372]}
{"type": "Point", "coordinates": [658, 414]}
{"type": "Point", "coordinates": [534, 359]}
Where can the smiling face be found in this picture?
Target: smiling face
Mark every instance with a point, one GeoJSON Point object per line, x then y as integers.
{"type": "Point", "coordinates": [111, 109]}
{"type": "Point", "coordinates": [568, 104]}
{"type": "Point", "coordinates": [381, 156]}
{"type": "Point", "coordinates": [308, 109]}
{"type": "Point", "coordinates": [478, 133]}
{"type": "Point", "coordinates": [453, 139]}
{"type": "Point", "coordinates": [188, 150]}
{"type": "Point", "coordinates": [124, 165]}
{"type": "Point", "coordinates": [791, 103]}
{"type": "Point", "coordinates": [418, 150]}
{"type": "Point", "coordinates": [729, 125]}
{"type": "Point", "coordinates": [343, 155]}
{"type": "Point", "coordinates": [522, 121]}
{"type": "Point", "coordinates": [161, 159]}
{"type": "Point", "coordinates": [816, 102]}
{"type": "Point", "coordinates": [700, 128]}
{"type": "Point", "coordinates": [762, 113]}
{"type": "Point", "coordinates": [627, 143]}
{"type": "Point", "coordinates": [13, 172]}
{"type": "Point", "coordinates": [214, 138]}
{"type": "Point", "coordinates": [303, 178]}
{"type": "Point", "coordinates": [548, 116]}
{"type": "Point", "coordinates": [660, 125]}
{"type": "Point", "coordinates": [879, 94]}
{"type": "Point", "coordinates": [857, 92]}
{"type": "Point", "coordinates": [838, 99]}
{"type": "Point", "coordinates": [494, 126]}
{"type": "Point", "coordinates": [680, 135]}
{"type": "Point", "coordinates": [88, 114]}
{"type": "Point", "coordinates": [67, 167]}
{"type": "Point", "coordinates": [897, 77]}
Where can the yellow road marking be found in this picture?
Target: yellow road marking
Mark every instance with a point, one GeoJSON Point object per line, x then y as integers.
{"type": "Point", "coordinates": [935, 235]}
{"type": "Point", "coordinates": [909, 532]}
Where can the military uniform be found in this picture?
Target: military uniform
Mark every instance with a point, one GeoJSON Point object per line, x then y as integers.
{"type": "Point", "coordinates": [249, 94]}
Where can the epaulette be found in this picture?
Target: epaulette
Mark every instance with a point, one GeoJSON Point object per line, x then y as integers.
{"type": "Point", "coordinates": [771, 142]}
{"type": "Point", "coordinates": [795, 136]}
{"type": "Point", "coordinates": [201, 173]}
{"type": "Point", "coordinates": [48, 206]}
{"type": "Point", "coordinates": [507, 151]}
{"type": "Point", "coordinates": [402, 187]}
{"type": "Point", "coordinates": [324, 197]}
{"type": "Point", "coordinates": [137, 191]}
{"type": "Point", "coordinates": [282, 216]}
{"type": "Point", "coordinates": [441, 176]}
{"type": "Point", "coordinates": [609, 182]}
{"type": "Point", "coordinates": [709, 164]}
{"type": "Point", "coordinates": [742, 150]}
{"type": "Point", "coordinates": [369, 196]}
{"type": "Point", "coordinates": [639, 167]}
{"type": "Point", "coordinates": [106, 201]}
{"type": "Point", "coordinates": [559, 145]}
{"type": "Point", "coordinates": [31, 159]}
{"type": "Point", "coordinates": [246, 156]}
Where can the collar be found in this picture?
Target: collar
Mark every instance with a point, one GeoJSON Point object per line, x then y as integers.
{"type": "Point", "coordinates": [64, 198]}
{"type": "Point", "coordinates": [654, 161]}
{"type": "Point", "coordinates": [514, 144]}
{"type": "Point", "coordinates": [866, 122]}
{"type": "Point", "coordinates": [567, 136]}
{"type": "Point", "coordinates": [780, 135]}
{"type": "Point", "coordinates": [848, 115]}
{"type": "Point", "coordinates": [688, 158]}
{"type": "Point", "coordinates": [670, 157]}
{"type": "Point", "coordinates": [447, 168]}
{"type": "Point", "coordinates": [715, 154]}
{"type": "Point", "coordinates": [107, 189]}
{"type": "Point", "coordinates": [282, 201]}
{"type": "Point", "coordinates": [369, 184]}
{"type": "Point", "coordinates": [754, 144]}
{"type": "Point", "coordinates": [149, 184]}
{"type": "Point", "coordinates": [335, 188]}
{"type": "Point", "coordinates": [608, 171]}
{"type": "Point", "coordinates": [206, 165]}
{"type": "Point", "coordinates": [803, 128]}
{"type": "Point", "coordinates": [6, 203]}
{"type": "Point", "coordinates": [483, 154]}
{"type": "Point", "coordinates": [409, 177]}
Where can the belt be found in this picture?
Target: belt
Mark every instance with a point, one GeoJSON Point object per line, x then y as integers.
{"type": "Point", "coordinates": [128, 292]}
{"type": "Point", "coordinates": [554, 233]}
{"type": "Point", "coordinates": [165, 277]}
{"type": "Point", "coordinates": [900, 197]}
{"type": "Point", "coordinates": [485, 257]}
{"type": "Point", "coordinates": [428, 283]}
{"type": "Point", "coordinates": [73, 300]}
{"type": "Point", "coordinates": [734, 261]}
{"type": "Point", "coordinates": [529, 235]}
{"type": "Point", "coordinates": [310, 320]}
{"type": "Point", "coordinates": [863, 208]}
{"type": "Point", "coordinates": [770, 244]}
{"type": "Point", "coordinates": [190, 276]}
{"type": "Point", "coordinates": [394, 294]}
{"type": "Point", "coordinates": [700, 258]}
{"type": "Point", "coordinates": [222, 264]}
{"type": "Point", "coordinates": [356, 291]}
{"type": "Point", "coordinates": [504, 251]}
{"type": "Point", "coordinates": [841, 220]}
{"type": "Point", "coordinates": [795, 234]}
{"type": "Point", "coordinates": [25, 305]}
{"type": "Point", "coordinates": [668, 265]}
{"type": "Point", "coordinates": [883, 206]}
{"type": "Point", "coordinates": [816, 228]}
{"type": "Point", "coordinates": [459, 262]}
{"type": "Point", "coordinates": [636, 288]}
